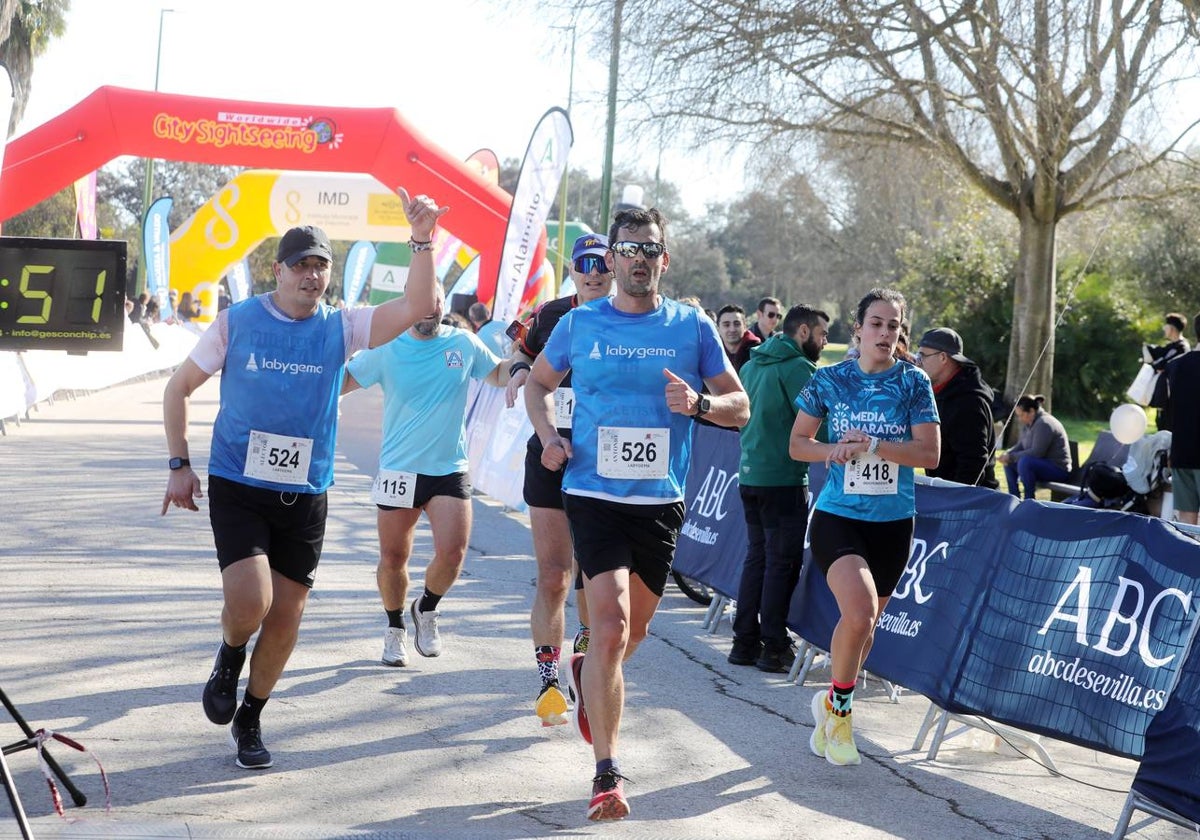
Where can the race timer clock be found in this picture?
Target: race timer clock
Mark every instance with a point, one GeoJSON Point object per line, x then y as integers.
{"type": "Point", "coordinates": [61, 294]}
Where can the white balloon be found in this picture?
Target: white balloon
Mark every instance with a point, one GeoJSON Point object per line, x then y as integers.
{"type": "Point", "coordinates": [1128, 422]}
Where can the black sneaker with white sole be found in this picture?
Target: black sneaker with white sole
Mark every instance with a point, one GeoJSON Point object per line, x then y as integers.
{"type": "Point", "coordinates": [251, 754]}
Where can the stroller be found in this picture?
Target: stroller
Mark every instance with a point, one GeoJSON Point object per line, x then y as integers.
{"type": "Point", "coordinates": [1130, 487]}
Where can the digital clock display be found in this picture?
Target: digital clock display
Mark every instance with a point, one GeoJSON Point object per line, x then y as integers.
{"type": "Point", "coordinates": [62, 294]}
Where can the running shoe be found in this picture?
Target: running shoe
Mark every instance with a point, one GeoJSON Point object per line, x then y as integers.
{"type": "Point", "coordinates": [820, 713]}
{"type": "Point", "coordinates": [220, 692]}
{"type": "Point", "coordinates": [582, 636]}
{"type": "Point", "coordinates": [251, 754]}
{"type": "Point", "coordinates": [578, 715]}
{"type": "Point", "coordinates": [395, 647]}
{"type": "Point", "coordinates": [839, 741]}
{"type": "Point", "coordinates": [426, 638]}
{"type": "Point", "coordinates": [608, 797]}
{"type": "Point", "coordinates": [551, 706]}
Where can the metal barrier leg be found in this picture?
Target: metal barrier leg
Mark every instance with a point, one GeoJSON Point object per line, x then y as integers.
{"type": "Point", "coordinates": [801, 657]}
{"type": "Point", "coordinates": [715, 611]}
{"type": "Point", "coordinates": [18, 810]}
{"type": "Point", "coordinates": [720, 602]}
{"type": "Point", "coordinates": [926, 725]}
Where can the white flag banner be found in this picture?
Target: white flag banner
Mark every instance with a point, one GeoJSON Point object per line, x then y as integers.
{"type": "Point", "coordinates": [542, 170]}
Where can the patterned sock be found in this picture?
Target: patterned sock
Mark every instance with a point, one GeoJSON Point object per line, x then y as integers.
{"type": "Point", "coordinates": [249, 711]}
{"type": "Point", "coordinates": [840, 697]}
{"type": "Point", "coordinates": [429, 601]}
{"type": "Point", "coordinates": [582, 636]}
{"type": "Point", "coordinates": [395, 618]}
{"type": "Point", "coordinates": [547, 662]}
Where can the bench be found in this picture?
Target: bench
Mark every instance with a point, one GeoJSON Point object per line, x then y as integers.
{"type": "Point", "coordinates": [1106, 450]}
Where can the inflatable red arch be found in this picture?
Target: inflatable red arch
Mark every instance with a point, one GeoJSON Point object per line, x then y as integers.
{"type": "Point", "coordinates": [116, 121]}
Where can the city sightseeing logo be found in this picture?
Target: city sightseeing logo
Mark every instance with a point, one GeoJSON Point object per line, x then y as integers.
{"type": "Point", "coordinates": [261, 131]}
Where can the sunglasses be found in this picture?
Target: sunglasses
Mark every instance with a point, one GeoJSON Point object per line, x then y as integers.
{"type": "Point", "coordinates": [629, 250]}
{"type": "Point", "coordinates": [589, 263]}
{"type": "Point", "coordinates": [774, 316]}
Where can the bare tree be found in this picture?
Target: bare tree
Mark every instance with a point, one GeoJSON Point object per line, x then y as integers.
{"type": "Point", "coordinates": [1044, 105]}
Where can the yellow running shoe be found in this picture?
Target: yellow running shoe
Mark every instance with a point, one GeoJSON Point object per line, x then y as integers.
{"type": "Point", "coordinates": [551, 706]}
{"type": "Point", "coordinates": [820, 713]}
{"type": "Point", "coordinates": [839, 741]}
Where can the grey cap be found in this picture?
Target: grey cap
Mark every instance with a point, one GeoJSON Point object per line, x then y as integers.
{"type": "Point", "coordinates": [945, 340]}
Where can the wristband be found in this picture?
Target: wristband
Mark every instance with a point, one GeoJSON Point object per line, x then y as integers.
{"type": "Point", "coordinates": [417, 246]}
{"type": "Point", "coordinates": [873, 446]}
{"type": "Point", "coordinates": [516, 367]}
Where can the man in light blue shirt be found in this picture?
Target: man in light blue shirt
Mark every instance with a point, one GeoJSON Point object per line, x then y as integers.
{"type": "Point", "coordinates": [425, 375]}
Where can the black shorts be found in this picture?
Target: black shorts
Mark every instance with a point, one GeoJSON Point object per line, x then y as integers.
{"type": "Point", "coordinates": [611, 535]}
{"type": "Point", "coordinates": [289, 528]}
{"type": "Point", "coordinates": [455, 485]}
{"type": "Point", "coordinates": [884, 545]}
{"type": "Point", "coordinates": [543, 487]}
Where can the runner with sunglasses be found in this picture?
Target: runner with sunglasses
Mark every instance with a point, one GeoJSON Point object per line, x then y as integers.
{"type": "Point", "coordinates": [543, 487]}
{"type": "Point", "coordinates": [638, 362]}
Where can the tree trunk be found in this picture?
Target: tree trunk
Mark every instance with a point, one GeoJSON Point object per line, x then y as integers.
{"type": "Point", "coordinates": [1030, 371]}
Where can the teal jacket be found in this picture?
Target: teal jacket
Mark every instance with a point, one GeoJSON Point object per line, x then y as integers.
{"type": "Point", "coordinates": [776, 373]}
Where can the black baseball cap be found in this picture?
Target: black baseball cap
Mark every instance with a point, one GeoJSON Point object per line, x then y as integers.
{"type": "Point", "coordinates": [301, 242]}
{"type": "Point", "coordinates": [945, 340]}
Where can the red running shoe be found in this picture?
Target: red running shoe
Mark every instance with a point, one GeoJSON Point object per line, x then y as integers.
{"type": "Point", "coordinates": [578, 715]}
{"type": "Point", "coordinates": [608, 797]}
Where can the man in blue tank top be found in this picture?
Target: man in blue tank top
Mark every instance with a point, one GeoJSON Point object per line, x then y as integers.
{"type": "Point", "coordinates": [282, 357]}
{"type": "Point", "coordinates": [638, 363]}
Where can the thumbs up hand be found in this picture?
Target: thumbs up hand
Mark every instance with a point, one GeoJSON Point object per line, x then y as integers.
{"type": "Point", "coordinates": [681, 399]}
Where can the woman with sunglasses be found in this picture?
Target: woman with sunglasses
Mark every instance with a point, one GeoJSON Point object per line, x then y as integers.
{"type": "Point", "coordinates": [884, 422]}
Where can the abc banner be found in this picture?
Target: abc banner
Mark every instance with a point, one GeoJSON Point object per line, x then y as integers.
{"type": "Point", "coordinates": [712, 541]}
{"type": "Point", "coordinates": [1064, 621]}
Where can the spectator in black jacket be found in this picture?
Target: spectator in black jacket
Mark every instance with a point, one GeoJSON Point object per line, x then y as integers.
{"type": "Point", "coordinates": [1158, 358]}
{"type": "Point", "coordinates": [964, 404]}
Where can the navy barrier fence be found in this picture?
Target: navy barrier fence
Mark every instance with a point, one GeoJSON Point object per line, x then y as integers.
{"type": "Point", "coordinates": [1064, 621]}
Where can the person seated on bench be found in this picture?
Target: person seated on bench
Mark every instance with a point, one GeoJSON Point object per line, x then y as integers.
{"type": "Point", "coordinates": [1042, 453]}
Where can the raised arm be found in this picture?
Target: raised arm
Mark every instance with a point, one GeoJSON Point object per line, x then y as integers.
{"type": "Point", "coordinates": [420, 291]}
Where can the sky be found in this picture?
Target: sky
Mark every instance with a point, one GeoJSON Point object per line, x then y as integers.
{"type": "Point", "coordinates": [469, 74]}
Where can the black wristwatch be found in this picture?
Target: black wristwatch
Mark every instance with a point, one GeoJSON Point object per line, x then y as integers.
{"type": "Point", "coordinates": [703, 406]}
{"type": "Point", "coordinates": [178, 463]}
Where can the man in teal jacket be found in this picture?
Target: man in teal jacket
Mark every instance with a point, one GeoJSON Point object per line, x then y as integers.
{"type": "Point", "coordinates": [774, 490]}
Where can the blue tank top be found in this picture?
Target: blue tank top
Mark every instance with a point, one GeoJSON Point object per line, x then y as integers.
{"type": "Point", "coordinates": [282, 378]}
{"type": "Point", "coordinates": [885, 405]}
{"type": "Point", "coordinates": [616, 361]}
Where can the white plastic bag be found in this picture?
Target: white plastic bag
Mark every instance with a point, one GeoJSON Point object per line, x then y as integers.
{"type": "Point", "coordinates": [1142, 388]}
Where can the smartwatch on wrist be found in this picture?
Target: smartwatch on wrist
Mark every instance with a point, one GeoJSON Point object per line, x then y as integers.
{"type": "Point", "coordinates": [873, 446]}
{"type": "Point", "coordinates": [703, 406]}
{"type": "Point", "coordinates": [178, 463]}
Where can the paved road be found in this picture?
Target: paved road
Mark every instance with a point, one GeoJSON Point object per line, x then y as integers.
{"type": "Point", "coordinates": [108, 623]}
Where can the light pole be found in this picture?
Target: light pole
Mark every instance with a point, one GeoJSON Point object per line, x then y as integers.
{"type": "Point", "coordinates": [148, 184]}
{"type": "Point", "coordinates": [614, 59]}
{"type": "Point", "coordinates": [562, 193]}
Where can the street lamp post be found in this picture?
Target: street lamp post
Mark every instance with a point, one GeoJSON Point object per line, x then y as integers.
{"type": "Point", "coordinates": [148, 183]}
{"type": "Point", "coordinates": [562, 193]}
{"type": "Point", "coordinates": [614, 59]}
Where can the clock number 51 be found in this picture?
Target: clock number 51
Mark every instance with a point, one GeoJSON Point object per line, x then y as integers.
{"type": "Point", "coordinates": [82, 309]}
